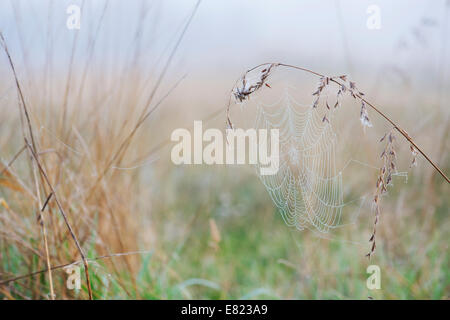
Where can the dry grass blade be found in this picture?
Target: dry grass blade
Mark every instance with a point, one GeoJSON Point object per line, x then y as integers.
{"type": "Point", "coordinates": [7, 281]}
{"type": "Point", "coordinates": [8, 180]}
{"type": "Point", "coordinates": [10, 163]}
{"type": "Point", "coordinates": [34, 150]}
{"type": "Point", "coordinates": [146, 112]}
{"type": "Point", "coordinates": [354, 93]}
{"type": "Point", "coordinates": [69, 226]}
{"type": "Point", "coordinates": [127, 140]}
{"type": "Point", "coordinates": [19, 89]}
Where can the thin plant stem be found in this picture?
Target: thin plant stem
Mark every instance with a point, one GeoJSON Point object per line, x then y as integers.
{"type": "Point", "coordinates": [372, 106]}
{"type": "Point", "coordinates": [69, 226]}
{"type": "Point", "coordinates": [10, 163]}
{"type": "Point", "coordinates": [5, 282]}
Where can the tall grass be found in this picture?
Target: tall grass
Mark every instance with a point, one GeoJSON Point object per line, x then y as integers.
{"type": "Point", "coordinates": [161, 232]}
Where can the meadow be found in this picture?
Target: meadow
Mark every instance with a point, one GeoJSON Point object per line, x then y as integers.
{"type": "Point", "coordinates": [86, 179]}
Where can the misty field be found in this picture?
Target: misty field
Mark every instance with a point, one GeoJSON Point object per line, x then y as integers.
{"type": "Point", "coordinates": [86, 177]}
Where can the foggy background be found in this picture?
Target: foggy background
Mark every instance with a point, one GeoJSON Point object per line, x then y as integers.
{"type": "Point", "coordinates": [330, 36]}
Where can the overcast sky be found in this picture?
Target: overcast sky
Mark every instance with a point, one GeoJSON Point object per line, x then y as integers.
{"type": "Point", "coordinates": [331, 34]}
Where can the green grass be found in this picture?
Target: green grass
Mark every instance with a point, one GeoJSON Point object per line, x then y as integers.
{"type": "Point", "coordinates": [258, 256]}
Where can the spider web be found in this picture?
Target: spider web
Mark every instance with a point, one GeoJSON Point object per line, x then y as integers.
{"type": "Point", "coordinates": [307, 189]}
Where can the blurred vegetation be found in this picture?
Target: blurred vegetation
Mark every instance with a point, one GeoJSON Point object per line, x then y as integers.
{"type": "Point", "coordinates": [255, 255]}
{"type": "Point", "coordinates": [159, 231]}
